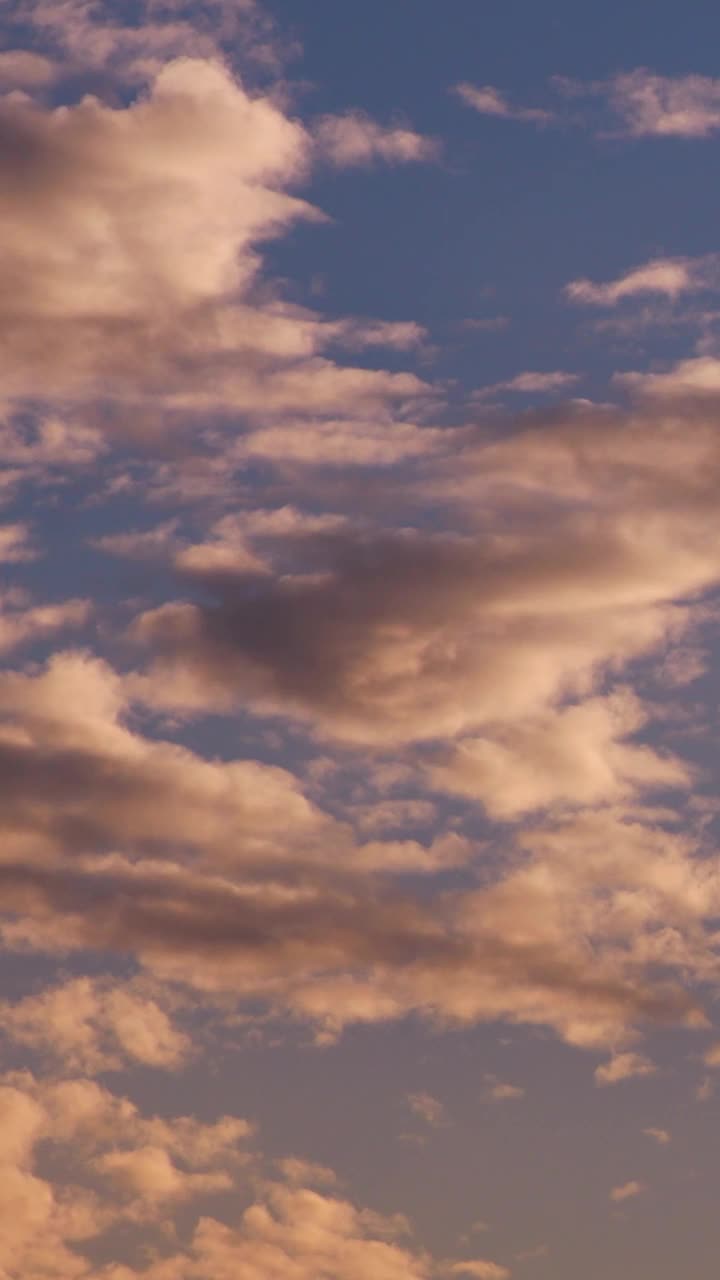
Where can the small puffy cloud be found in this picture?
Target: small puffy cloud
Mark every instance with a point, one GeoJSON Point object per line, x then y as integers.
{"type": "Point", "coordinates": [95, 1025]}
{"type": "Point", "coordinates": [627, 1191]}
{"type": "Point", "coordinates": [624, 1066]}
{"type": "Point", "coordinates": [669, 277]}
{"type": "Point", "coordinates": [490, 101]}
{"type": "Point", "coordinates": [428, 1108]}
{"type": "Point", "coordinates": [355, 139]}
{"type": "Point", "coordinates": [651, 105]}
{"type": "Point", "coordinates": [661, 1136]}
{"type": "Point", "coordinates": [502, 1091]}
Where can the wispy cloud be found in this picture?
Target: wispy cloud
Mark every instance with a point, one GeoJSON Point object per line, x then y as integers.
{"type": "Point", "coordinates": [489, 101]}
{"type": "Point", "coordinates": [624, 1066]}
{"type": "Point", "coordinates": [667, 277]}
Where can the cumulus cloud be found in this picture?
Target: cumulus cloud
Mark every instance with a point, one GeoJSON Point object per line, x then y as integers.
{"type": "Point", "coordinates": [354, 139]}
{"type": "Point", "coordinates": [47, 1220]}
{"type": "Point", "coordinates": [665, 106]}
{"type": "Point", "coordinates": [94, 1025]}
{"type": "Point", "coordinates": [572, 757]}
{"type": "Point", "coordinates": [166, 317]}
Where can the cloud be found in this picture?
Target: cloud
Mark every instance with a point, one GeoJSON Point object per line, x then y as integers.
{"type": "Point", "coordinates": [627, 1191]}
{"type": "Point", "coordinates": [491, 102]}
{"type": "Point", "coordinates": [502, 1091]}
{"type": "Point", "coordinates": [382, 635]}
{"type": "Point", "coordinates": [332, 947]}
{"type": "Point", "coordinates": [22, 622]}
{"type": "Point", "coordinates": [711, 1057]}
{"type": "Point", "coordinates": [20, 69]}
{"type": "Point", "coordinates": [480, 1268]}
{"type": "Point", "coordinates": [696, 378]}
{"type": "Point", "coordinates": [531, 382]}
{"type": "Point", "coordinates": [661, 1136]}
{"type": "Point", "coordinates": [641, 104]}
{"type": "Point", "coordinates": [169, 319]}
{"type": "Point", "coordinates": [83, 33]}
{"type": "Point", "coordinates": [624, 1066]}
{"type": "Point", "coordinates": [77, 777]}
{"type": "Point", "coordinates": [48, 1218]}
{"type": "Point", "coordinates": [355, 139]}
{"type": "Point", "coordinates": [669, 277]}
{"type": "Point", "coordinates": [94, 1025]}
{"type": "Point", "coordinates": [429, 1109]}
{"type": "Point", "coordinates": [568, 758]}
{"type": "Point", "coordinates": [130, 1174]}
{"type": "Point", "coordinates": [651, 105]}
{"type": "Point", "coordinates": [15, 545]}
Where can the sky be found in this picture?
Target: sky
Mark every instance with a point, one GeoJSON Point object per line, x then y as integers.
{"type": "Point", "coordinates": [359, 674]}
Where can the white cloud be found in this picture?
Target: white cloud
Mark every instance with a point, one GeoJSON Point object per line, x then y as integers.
{"type": "Point", "coordinates": [355, 139]}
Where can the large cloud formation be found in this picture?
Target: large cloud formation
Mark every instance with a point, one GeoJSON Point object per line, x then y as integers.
{"type": "Point", "coordinates": [376, 719]}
